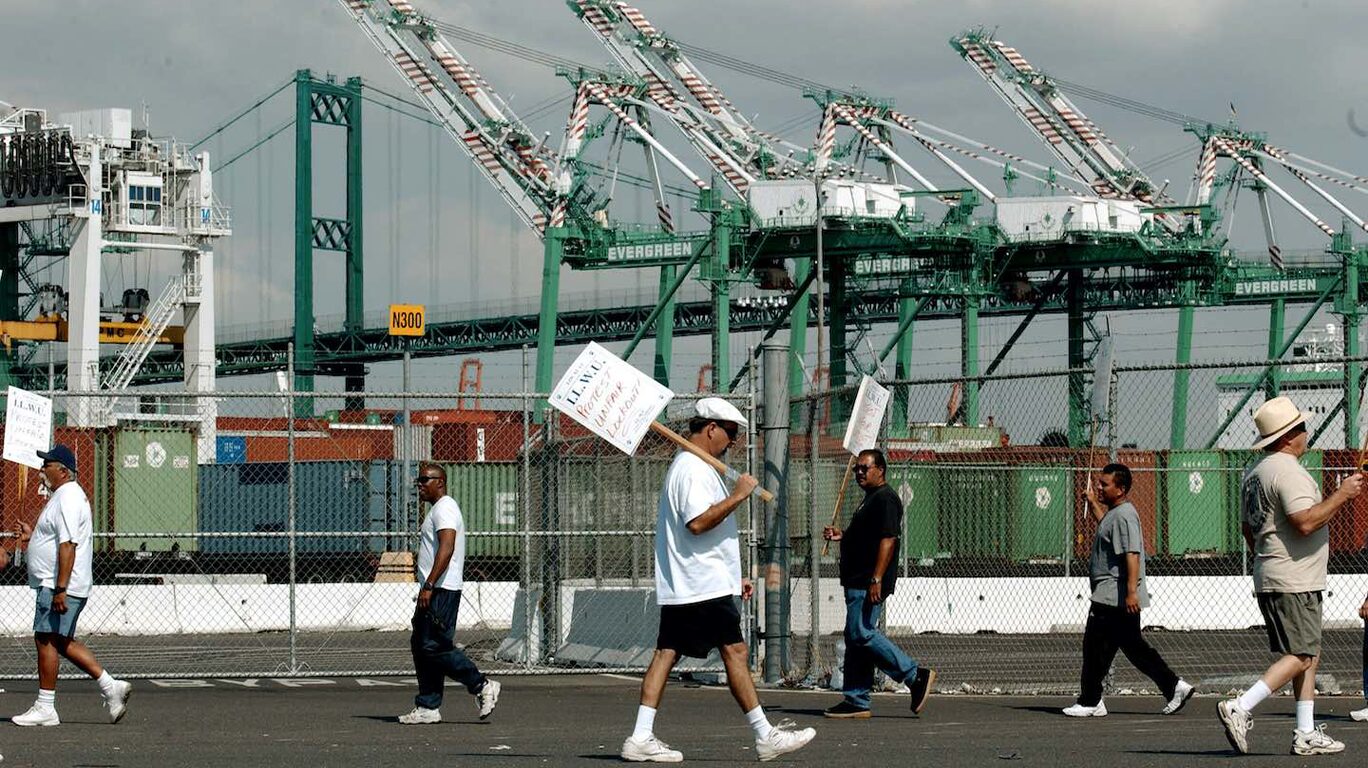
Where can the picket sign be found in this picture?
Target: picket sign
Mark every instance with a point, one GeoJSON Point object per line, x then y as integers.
{"type": "Point", "coordinates": [862, 433]}
{"type": "Point", "coordinates": [607, 396]}
{"type": "Point", "coordinates": [28, 427]}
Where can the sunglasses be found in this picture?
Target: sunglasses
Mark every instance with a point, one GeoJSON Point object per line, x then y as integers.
{"type": "Point", "coordinates": [424, 480]}
{"type": "Point", "coordinates": [732, 430]}
{"type": "Point", "coordinates": [860, 469]}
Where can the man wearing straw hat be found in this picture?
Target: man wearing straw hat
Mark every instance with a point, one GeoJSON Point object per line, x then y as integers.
{"type": "Point", "coordinates": [698, 578]}
{"type": "Point", "coordinates": [1284, 520]}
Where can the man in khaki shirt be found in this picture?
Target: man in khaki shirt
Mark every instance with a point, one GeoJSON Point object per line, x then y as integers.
{"type": "Point", "coordinates": [1284, 520]}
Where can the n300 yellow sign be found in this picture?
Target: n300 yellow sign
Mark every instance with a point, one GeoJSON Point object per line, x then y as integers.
{"type": "Point", "coordinates": [407, 320]}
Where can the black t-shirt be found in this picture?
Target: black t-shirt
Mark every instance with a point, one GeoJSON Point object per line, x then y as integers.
{"type": "Point", "coordinates": [879, 517]}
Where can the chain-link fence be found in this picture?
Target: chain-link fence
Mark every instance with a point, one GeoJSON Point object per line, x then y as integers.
{"type": "Point", "coordinates": [994, 554]}
{"type": "Point", "coordinates": [273, 546]}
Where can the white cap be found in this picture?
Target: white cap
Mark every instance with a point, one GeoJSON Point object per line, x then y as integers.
{"type": "Point", "coordinates": [719, 410]}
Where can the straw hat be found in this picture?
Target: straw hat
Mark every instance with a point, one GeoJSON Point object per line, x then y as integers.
{"type": "Point", "coordinates": [1274, 418]}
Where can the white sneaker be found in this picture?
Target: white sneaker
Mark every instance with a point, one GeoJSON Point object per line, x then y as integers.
{"type": "Point", "coordinates": [38, 714]}
{"type": "Point", "coordinates": [1237, 724]}
{"type": "Point", "coordinates": [1078, 710]}
{"type": "Point", "coordinates": [1315, 743]}
{"type": "Point", "coordinates": [782, 741]}
{"type": "Point", "coordinates": [488, 697]}
{"type": "Point", "coordinates": [1181, 693]}
{"type": "Point", "coordinates": [421, 716]}
{"type": "Point", "coordinates": [649, 750]}
{"type": "Point", "coordinates": [116, 701]}
{"type": "Point", "coordinates": [1360, 714]}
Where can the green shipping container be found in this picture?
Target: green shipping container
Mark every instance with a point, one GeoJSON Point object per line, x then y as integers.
{"type": "Point", "coordinates": [154, 481]}
{"type": "Point", "coordinates": [1042, 508]}
{"type": "Point", "coordinates": [1196, 491]}
{"type": "Point", "coordinates": [974, 504]}
{"type": "Point", "coordinates": [488, 495]}
{"type": "Point", "coordinates": [916, 485]}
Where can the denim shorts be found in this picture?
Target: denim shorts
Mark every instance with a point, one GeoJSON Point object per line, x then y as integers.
{"type": "Point", "coordinates": [48, 621]}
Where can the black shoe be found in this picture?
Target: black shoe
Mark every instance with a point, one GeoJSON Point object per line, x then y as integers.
{"type": "Point", "coordinates": [845, 711]}
{"type": "Point", "coordinates": [921, 688]}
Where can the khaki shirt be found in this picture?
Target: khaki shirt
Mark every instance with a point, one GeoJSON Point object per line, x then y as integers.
{"type": "Point", "coordinates": [1284, 561]}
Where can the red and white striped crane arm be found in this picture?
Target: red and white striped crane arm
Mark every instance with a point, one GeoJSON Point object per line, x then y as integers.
{"type": "Point", "coordinates": [459, 98]}
{"type": "Point", "coordinates": [1066, 131]}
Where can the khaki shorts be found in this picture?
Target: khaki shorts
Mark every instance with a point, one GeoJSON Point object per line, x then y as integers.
{"type": "Point", "coordinates": [1293, 621]}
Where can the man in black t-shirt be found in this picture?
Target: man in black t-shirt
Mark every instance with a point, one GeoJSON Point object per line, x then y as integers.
{"type": "Point", "coordinates": [869, 572]}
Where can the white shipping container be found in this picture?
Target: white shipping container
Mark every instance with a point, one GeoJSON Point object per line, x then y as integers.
{"type": "Point", "coordinates": [1046, 218]}
{"type": "Point", "coordinates": [793, 202]}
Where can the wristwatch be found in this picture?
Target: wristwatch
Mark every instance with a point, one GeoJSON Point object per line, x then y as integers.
{"type": "Point", "coordinates": [428, 586]}
{"type": "Point", "coordinates": [58, 590]}
{"type": "Point", "coordinates": [874, 579]}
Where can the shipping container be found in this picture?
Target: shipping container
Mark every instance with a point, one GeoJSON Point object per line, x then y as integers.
{"type": "Point", "coordinates": [1196, 510]}
{"type": "Point", "coordinates": [1348, 528]}
{"type": "Point", "coordinates": [342, 496]}
{"type": "Point", "coordinates": [918, 485]}
{"type": "Point", "coordinates": [1144, 494]}
{"type": "Point", "coordinates": [1042, 504]}
{"type": "Point", "coordinates": [154, 489]}
{"type": "Point", "coordinates": [975, 500]}
{"type": "Point", "coordinates": [488, 495]}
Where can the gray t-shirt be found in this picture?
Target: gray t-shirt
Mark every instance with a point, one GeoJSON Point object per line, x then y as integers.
{"type": "Point", "coordinates": [1284, 561]}
{"type": "Point", "coordinates": [1118, 533]}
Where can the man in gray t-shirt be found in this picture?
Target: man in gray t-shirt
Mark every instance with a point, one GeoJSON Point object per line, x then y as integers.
{"type": "Point", "coordinates": [1117, 575]}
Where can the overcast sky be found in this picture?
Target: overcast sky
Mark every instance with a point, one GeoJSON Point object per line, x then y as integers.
{"type": "Point", "coordinates": [1295, 70]}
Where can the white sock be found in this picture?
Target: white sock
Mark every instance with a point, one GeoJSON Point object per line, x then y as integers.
{"type": "Point", "coordinates": [47, 698]}
{"type": "Point", "coordinates": [105, 682]}
{"type": "Point", "coordinates": [645, 723]}
{"type": "Point", "coordinates": [1251, 698]}
{"type": "Point", "coordinates": [1306, 716]}
{"type": "Point", "coordinates": [759, 723]}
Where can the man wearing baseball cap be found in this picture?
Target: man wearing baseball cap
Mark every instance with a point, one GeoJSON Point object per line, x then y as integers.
{"type": "Point", "coordinates": [1284, 520]}
{"type": "Point", "coordinates": [698, 578]}
{"type": "Point", "coordinates": [59, 569]}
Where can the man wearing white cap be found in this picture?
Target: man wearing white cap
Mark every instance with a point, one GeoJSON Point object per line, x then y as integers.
{"type": "Point", "coordinates": [698, 578]}
{"type": "Point", "coordinates": [1284, 520]}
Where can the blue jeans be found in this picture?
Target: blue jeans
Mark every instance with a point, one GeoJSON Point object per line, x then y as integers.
{"type": "Point", "coordinates": [435, 655]}
{"type": "Point", "coordinates": [867, 648]}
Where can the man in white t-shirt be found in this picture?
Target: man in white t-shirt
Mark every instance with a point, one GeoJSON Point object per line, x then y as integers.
{"type": "Point", "coordinates": [1284, 520]}
{"type": "Point", "coordinates": [698, 578]}
{"type": "Point", "coordinates": [59, 570]}
{"type": "Point", "coordinates": [441, 558]}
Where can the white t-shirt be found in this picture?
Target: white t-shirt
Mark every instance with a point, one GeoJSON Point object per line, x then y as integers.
{"type": "Point", "coordinates": [444, 515]}
{"type": "Point", "coordinates": [691, 568]}
{"type": "Point", "coordinates": [65, 518]}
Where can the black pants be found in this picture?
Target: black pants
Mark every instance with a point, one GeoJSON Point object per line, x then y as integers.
{"type": "Point", "coordinates": [435, 655]}
{"type": "Point", "coordinates": [1109, 629]}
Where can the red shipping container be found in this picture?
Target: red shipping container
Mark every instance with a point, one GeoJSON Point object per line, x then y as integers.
{"type": "Point", "coordinates": [1144, 494]}
{"type": "Point", "coordinates": [1349, 527]}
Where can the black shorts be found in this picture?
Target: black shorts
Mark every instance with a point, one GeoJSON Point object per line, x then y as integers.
{"type": "Point", "coordinates": [694, 629]}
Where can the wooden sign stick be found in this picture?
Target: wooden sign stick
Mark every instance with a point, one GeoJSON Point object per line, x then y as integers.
{"type": "Point", "coordinates": [840, 499]}
{"type": "Point", "coordinates": [713, 461]}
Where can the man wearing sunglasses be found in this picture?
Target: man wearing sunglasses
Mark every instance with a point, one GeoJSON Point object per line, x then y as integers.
{"type": "Point", "coordinates": [698, 578]}
{"type": "Point", "coordinates": [869, 571]}
{"type": "Point", "coordinates": [441, 558]}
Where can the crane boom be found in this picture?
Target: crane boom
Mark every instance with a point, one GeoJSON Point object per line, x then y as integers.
{"type": "Point", "coordinates": [1067, 132]}
{"type": "Point", "coordinates": [519, 166]}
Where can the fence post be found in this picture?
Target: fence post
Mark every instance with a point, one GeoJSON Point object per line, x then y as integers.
{"type": "Point", "coordinates": [527, 515]}
{"type": "Point", "coordinates": [290, 469]}
{"type": "Point", "coordinates": [774, 429]}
